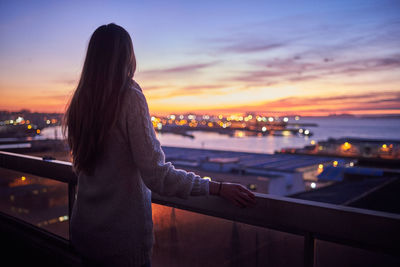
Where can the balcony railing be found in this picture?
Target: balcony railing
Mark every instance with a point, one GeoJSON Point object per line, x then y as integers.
{"type": "Point", "coordinates": [368, 230]}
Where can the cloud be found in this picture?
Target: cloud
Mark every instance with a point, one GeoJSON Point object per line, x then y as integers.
{"type": "Point", "coordinates": [49, 97]}
{"type": "Point", "coordinates": [67, 81]}
{"type": "Point", "coordinates": [179, 69]}
{"type": "Point", "coordinates": [382, 101]}
{"type": "Point", "coordinates": [211, 89]}
{"type": "Point", "coordinates": [297, 69]}
{"type": "Point", "coordinates": [250, 47]}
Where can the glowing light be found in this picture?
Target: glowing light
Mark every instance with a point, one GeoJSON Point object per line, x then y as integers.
{"type": "Point", "coordinates": [346, 146]}
{"type": "Point", "coordinates": [19, 119]}
{"type": "Point", "coordinates": [335, 163]}
{"type": "Point", "coordinates": [264, 129]}
{"type": "Point", "coordinates": [351, 164]}
{"type": "Point", "coordinates": [48, 121]}
{"type": "Point", "coordinates": [313, 142]}
{"type": "Point", "coordinates": [181, 117]}
{"type": "Point", "coordinates": [11, 121]}
{"type": "Point", "coordinates": [63, 218]}
{"type": "Point", "coordinates": [220, 117]}
{"type": "Point", "coordinates": [207, 178]}
{"type": "Point", "coordinates": [23, 178]}
{"type": "Point", "coordinates": [320, 166]}
{"type": "Point", "coordinates": [239, 134]}
{"type": "Point", "coordinates": [38, 131]}
{"type": "Point", "coordinates": [306, 132]}
{"type": "Point", "coordinates": [252, 187]}
{"type": "Point", "coordinates": [301, 131]}
{"type": "Point", "coordinates": [297, 118]}
{"type": "Point", "coordinates": [385, 148]}
{"type": "Point", "coordinates": [29, 126]}
{"type": "Point", "coordinates": [159, 126]}
{"type": "Point", "coordinates": [286, 133]}
{"type": "Point", "coordinates": [313, 185]}
{"type": "Point", "coordinates": [286, 119]}
{"type": "Point", "coordinates": [172, 117]}
{"type": "Point", "coordinates": [270, 119]}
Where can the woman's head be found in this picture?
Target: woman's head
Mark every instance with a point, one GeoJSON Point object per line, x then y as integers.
{"type": "Point", "coordinates": [95, 106]}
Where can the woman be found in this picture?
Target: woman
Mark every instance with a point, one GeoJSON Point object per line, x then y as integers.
{"type": "Point", "coordinates": [118, 159]}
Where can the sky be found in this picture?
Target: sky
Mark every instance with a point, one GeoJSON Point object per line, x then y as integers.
{"type": "Point", "coordinates": [269, 57]}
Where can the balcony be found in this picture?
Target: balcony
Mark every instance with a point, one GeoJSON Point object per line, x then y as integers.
{"type": "Point", "coordinates": [200, 231]}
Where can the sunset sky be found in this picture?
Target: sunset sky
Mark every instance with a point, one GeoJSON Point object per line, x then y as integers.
{"type": "Point", "coordinates": [272, 57]}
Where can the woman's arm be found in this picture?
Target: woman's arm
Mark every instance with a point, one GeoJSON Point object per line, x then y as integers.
{"type": "Point", "coordinates": [158, 175]}
{"type": "Point", "coordinates": [162, 177]}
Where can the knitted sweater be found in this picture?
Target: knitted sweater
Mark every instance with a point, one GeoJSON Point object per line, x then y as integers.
{"type": "Point", "coordinates": [111, 221]}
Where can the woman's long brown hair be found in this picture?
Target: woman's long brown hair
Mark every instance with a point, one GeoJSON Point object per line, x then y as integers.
{"type": "Point", "coordinates": [95, 105]}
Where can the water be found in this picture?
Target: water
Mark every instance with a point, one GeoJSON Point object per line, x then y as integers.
{"type": "Point", "coordinates": [327, 127]}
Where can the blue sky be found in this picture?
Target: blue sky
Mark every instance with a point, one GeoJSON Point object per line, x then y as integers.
{"type": "Point", "coordinates": [232, 56]}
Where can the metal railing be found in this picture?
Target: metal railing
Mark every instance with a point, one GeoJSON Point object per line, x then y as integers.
{"type": "Point", "coordinates": [366, 229]}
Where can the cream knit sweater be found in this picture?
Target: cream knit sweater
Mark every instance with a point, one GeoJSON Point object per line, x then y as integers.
{"type": "Point", "coordinates": [111, 221]}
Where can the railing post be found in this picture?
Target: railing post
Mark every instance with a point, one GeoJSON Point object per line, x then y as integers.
{"type": "Point", "coordinates": [71, 200]}
{"type": "Point", "coordinates": [309, 247]}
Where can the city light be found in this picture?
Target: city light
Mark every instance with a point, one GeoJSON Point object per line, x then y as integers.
{"type": "Point", "coordinates": [313, 185]}
{"type": "Point", "coordinates": [346, 146]}
{"type": "Point", "coordinates": [335, 163]}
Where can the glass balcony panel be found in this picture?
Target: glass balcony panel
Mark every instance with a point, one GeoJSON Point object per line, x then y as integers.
{"type": "Point", "coordinates": [39, 201]}
{"type": "Point", "coordinates": [184, 238]}
{"type": "Point", "coordinates": [329, 254]}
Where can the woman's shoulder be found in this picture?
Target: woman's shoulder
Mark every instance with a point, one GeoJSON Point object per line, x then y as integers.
{"type": "Point", "coordinates": [135, 97]}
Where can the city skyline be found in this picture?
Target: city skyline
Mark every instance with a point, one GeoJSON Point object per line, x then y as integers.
{"type": "Point", "coordinates": [281, 57]}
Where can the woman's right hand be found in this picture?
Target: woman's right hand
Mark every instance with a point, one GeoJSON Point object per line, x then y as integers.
{"type": "Point", "coordinates": [235, 193]}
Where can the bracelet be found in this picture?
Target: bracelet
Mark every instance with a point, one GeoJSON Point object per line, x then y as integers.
{"type": "Point", "coordinates": [219, 188]}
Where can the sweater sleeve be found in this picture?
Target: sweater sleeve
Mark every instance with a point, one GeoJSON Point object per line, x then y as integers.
{"type": "Point", "coordinates": [158, 175]}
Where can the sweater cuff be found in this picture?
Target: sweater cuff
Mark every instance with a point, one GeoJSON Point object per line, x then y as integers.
{"type": "Point", "coordinates": [200, 187]}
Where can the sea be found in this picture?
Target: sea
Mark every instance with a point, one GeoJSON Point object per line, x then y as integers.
{"type": "Point", "coordinates": [326, 127]}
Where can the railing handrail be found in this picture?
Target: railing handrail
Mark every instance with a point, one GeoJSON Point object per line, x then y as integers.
{"type": "Point", "coordinates": [379, 231]}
